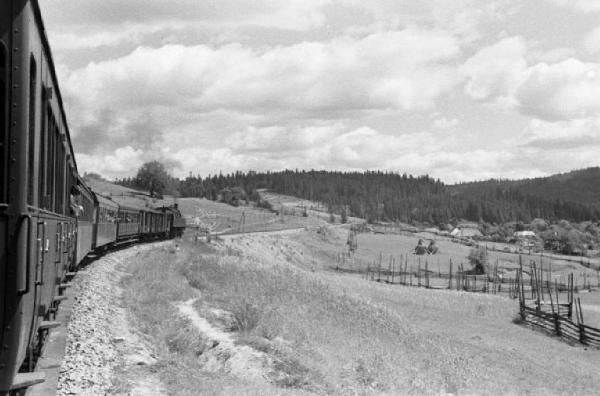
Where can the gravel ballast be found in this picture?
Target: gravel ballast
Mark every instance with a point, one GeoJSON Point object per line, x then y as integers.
{"type": "Point", "coordinates": [103, 354]}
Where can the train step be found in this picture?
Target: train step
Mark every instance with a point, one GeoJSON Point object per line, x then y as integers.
{"type": "Point", "coordinates": [25, 380]}
{"type": "Point", "coordinates": [47, 325]}
{"type": "Point", "coordinates": [70, 274]}
{"type": "Point", "coordinates": [59, 298]}
{"type": "Point", "coordinates": [64, 285]}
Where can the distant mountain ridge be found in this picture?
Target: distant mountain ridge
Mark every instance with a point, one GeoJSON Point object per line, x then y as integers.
{"type": "Point", "coordinates": [389, 196]}
{"type": "Point", "coordinates": [581, 186]}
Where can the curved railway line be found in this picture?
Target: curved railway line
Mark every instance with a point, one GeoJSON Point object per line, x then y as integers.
{"type": "Point", "coordinates": [50, 220]}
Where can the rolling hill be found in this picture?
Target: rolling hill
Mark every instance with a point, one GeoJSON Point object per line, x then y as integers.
{"type": "Point", "coordinates": [580, 186]}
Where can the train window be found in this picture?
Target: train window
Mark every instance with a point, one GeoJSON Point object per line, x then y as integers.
{"type": "Point", "coordinates": [63, 190]}
{"type": "Point", "coordinates": [50, 161]}
{"type": "Point", "coordinates": [58, 172]}
{"type": "Point", "coordinates": [3, 120]}
{"type": "Point", "coordinates": [32, 106]}
{"type": "Point", "coordinates": [43, 150]}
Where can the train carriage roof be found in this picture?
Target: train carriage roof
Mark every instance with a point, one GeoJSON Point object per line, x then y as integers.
{"type": "Point", "coordinates": [136, 208]}
{"type": "Point", "coordinates": [48, 52]}
{"type": "Point", "coordinates": [106, 203]}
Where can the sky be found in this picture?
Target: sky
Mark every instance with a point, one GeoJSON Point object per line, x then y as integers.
{"type": "Point", "coordinates": [460, 90]}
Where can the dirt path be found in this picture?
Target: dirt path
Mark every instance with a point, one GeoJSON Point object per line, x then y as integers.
{"type": "Point", "coordinates": [104, 355]}
{"type": "Point", "coordinates": [239, 360]}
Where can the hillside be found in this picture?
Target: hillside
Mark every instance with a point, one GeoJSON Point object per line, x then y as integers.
{"type": "Point", "coordinates": [264, 314]}
{"type": "Point", "coordinates": [126, 196]}
{"type": "Point", "coordinates": [580, 186]}
{"type": "Point", "coordinates": [388, 196]}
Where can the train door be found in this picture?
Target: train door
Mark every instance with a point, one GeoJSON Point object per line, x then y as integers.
{"type": "Point", "coordinates": [3, 170]}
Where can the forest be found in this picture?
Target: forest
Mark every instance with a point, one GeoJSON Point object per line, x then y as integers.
{"type": "Point", "coordinates": [389, 196]}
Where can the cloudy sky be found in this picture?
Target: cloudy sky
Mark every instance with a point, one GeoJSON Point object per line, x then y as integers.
{"type": "Point", "coordinates": [457, 89]}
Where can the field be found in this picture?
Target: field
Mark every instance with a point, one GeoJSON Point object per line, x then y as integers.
{"type": "Point", "coordinates": [300, 328]}
{"type": "Point", "coordinates": [371, 246]}
{"type": "Point", "coordinates": [219, 217]}
{"type": "Point", "coordinates": [261, 309]}
{"type": "Point", "coordinates": [127, 196]}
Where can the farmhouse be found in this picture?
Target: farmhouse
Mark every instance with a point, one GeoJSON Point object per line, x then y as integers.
{"type": "Point", "coordinates": [524, 234]}
{"type": "Point", "coordinates": [232, 195]}
{"type": "Point", "coordinates": [467, 230]}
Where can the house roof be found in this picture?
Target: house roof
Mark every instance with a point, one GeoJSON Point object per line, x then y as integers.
{"type": "Point", "coordinates": [524, 234]}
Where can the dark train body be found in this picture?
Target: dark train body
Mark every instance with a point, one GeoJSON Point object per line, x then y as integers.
{"type": "Point", "coordinates": [49, 219]}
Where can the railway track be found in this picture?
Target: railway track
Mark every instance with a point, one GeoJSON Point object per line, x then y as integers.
{"type": "Point", "coordinates": [95, 346]}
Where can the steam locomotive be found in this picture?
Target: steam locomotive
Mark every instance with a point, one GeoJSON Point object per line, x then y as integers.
{"type": "Point", "coordinates": [49, 218]}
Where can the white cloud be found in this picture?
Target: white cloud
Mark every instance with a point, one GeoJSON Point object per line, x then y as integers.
{"type": "Point", "coordinates": [283, 14]}
{"type": "Point", "coordinates": [567, 89]}
{"type": "Point", "coordinates": [328, 84]}
{"type": "Point", "coordinates": [281, 140]}
{"type": "Point", "coordinates": [580, 133]}
{"type": "Point", "coordinates": [564, 90]}
{"type": "Point", "coordinates": [87, 37]}
{"type": "Point", "coordinates": [579, 5]}
{"type": "Point", "coordinates": [122, 162]}
{"type": "Point", "coordinates": [135, 97]}
{"type": "Point", "coordinates": [402, 70]}
{"type": "Point", "coordinates": [445, 123]}
{"type": "Point", "coordinates": [496, 71]}
{"type": "Point", "coordinates": [592, 41]}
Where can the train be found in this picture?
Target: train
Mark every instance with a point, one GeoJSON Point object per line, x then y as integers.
{"type": "Point", "coordinates": [50, 219]}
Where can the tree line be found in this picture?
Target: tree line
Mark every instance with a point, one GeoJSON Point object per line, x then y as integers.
{"type": "Point", "coordinates": [381, 196]}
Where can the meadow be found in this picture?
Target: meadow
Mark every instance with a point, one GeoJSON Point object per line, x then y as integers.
{"type": "Point", "coordinates": [332, 333]}
{"type": "Point", "coordinates": [222, 218]}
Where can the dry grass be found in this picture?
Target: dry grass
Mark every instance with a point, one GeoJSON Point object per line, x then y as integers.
{"type": "Point", "coordinates": [402, 340]}
{"type": "Point", "coordinates": [337, 334]}
{"type": "Point", "coordinates": [221, 217]}
{"type": "Point", "coordinates": [156, 283]}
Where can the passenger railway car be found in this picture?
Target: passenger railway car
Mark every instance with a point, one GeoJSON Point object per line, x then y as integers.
{"type": "Point", "coordinates": [83, 205]}
{"type": "Point", "coordinates": [49, 219]}
{"type": "Point", "coordinates": [106, 222]}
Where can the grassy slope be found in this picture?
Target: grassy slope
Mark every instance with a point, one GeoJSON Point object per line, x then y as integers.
{"type": "Point", "coordinates": [127, 196]}
{"type": "Point", "coordinates": [469, 338]}
{"type": "Point", "coordinates": [220, 217]}
{"type": "Point", "coordinates": [340, 334]}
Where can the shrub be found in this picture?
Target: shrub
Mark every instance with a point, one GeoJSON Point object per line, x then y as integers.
{"type": "Point", "coordinates": [478, 257]}
{"type": "Point", "coordinates": [246, 317]}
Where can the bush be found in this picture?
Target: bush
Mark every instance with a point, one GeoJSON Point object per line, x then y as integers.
{"type": "Point", "coordinates": [478, 257]}
{"type": "Point", "coordinates": [261, 203]}
{"type": "Point", "coordinates": [246, 316]}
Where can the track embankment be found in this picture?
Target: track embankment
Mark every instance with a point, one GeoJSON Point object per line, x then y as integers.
{"type": "Point", "coordinates": [104, 355]}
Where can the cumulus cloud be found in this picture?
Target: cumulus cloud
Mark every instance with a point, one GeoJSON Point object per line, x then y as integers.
{"type": "Point", "coordinates": [496, 71]}
{"type": "Point", "coordinates": [402, 69]}
{"type": "Point", "coordinates": [444, 123]}
{"type": "Point", "coordinates": [284, 14]}
{"type": "Point", "coordinates": [592, 41]}
{"type": "Point", "coordinates": [564, 90]}
{"type": "Point", "coordinates": [86, 38]}
{"type": "Point", "coordinates": [579, 133]}
{"type": "Point", "coordinates": [343, 148]}
{"type": "Point", "coordinates": [579, 5]}
{"type": "Point", "coordinates": [138, 98]}
{"type": "Point", "coordinates": [119, 163]}
{"type": "Point", "coordinates": [326, 84]}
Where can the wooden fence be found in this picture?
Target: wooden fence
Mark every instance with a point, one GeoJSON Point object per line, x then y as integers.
{"type": "Point", "coordinates": [546, 313]}
{"type": "Point", "coordinates": [544, 302]}
{"type": "Point", "coordinates": [420, 273]}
